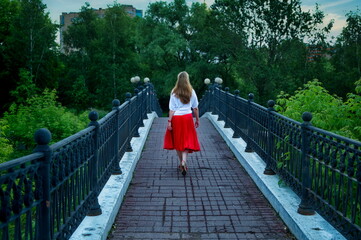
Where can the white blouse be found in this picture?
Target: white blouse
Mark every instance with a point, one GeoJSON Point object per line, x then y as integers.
{"type": "Point", "coordinates": [180, 108]}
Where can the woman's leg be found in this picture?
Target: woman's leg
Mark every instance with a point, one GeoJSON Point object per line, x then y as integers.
{"type": "Point", "coordinates": [184, 162]}
{"type": "Point", "coordinates": [184, 156]}
{"type": "Point", "coordinates": [179, 153]}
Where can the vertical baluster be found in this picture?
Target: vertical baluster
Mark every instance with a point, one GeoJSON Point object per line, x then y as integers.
{"type": "Point", "coordinates": [305, 207]}
{"type": "Point", "coordinates": [270, 141]}
{"type": "Point", "coordinates": [116, 167]}
{"type": "Point", "coordinates": [147, 99]}
{"type": "Point", "coordinates": [249, 124]}
{"type": "Point", "coordinates": [213, 96]}
{"type": "Point", "coordinates": [226, 108]}
{"type": "Point", "coordinates": [235, 116]}
{"type": "Point", "coordinates": [95, 209]}
{"type": "Point", "coordinates": [341, 184]}
{"type": "Point", "coordinates": [219, 107]}
{"type": "Point", "coordinates": [43, 138]}
{"type": "Point", "coordinates": [209, 98]}
{"type": "Point", "coordinates": [350, 194]}
{"type": "Point", "coordinates": [333, 184]}
{"type": "Point", "coordinates": [357, 204]}
{"type": "Point", "coordinates": [141, 106]}
{"type": "Point", "coordinates": [325, 180]}
{"type": "Point", "coordinates": [128, 119]}
{"type": "Point", "coordinates": [135, 119]}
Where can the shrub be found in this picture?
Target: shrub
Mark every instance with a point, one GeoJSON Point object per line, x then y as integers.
{"type": "Point", "coordinates": [329, 111]}
{"type": "Point", "coordinates": [40, 111]}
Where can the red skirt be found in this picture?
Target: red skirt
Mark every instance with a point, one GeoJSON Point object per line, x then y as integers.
{"type": "Point", "coordinates": [183, 135]}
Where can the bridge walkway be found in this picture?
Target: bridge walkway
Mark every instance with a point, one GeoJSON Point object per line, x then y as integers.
{"type": "Point", "coordinates": [215, 200]}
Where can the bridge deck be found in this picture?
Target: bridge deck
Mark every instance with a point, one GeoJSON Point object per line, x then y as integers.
{"type": "Point", "coordinates": [216, 200]}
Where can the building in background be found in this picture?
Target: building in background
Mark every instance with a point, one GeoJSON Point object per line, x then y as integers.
{"type": "Point", "coordinates": [66, 19]}
{"type": "Point", "coordinates": [318, 51]}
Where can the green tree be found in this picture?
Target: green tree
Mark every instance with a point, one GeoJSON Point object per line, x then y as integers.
{"type": "Point", "coordinates": [329, 111]}
{"type": "Point", "coordinates": [346, 59]}
{"type": "Point", "coordinates": [8, 11]}
{"type": "Point", "coordinates": [32, 41]}
{"type": "Point", "coordinates": [28, 42]}
{"type": "Point", "coordinates": [100, 58]}
{"type": "Point", "coordinates": [266, 27]}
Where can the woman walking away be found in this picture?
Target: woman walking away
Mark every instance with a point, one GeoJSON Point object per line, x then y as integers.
{"type": "Point", "coordinates": [181, 134]}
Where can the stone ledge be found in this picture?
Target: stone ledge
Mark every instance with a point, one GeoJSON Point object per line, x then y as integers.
{"type": "Point", "coordinates": [283, 199]}
{"type": "Point", "coordinates": [111, 196]}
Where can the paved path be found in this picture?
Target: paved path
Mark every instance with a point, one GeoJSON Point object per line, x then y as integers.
{"type": "Point", "coordinates": [216, 200]}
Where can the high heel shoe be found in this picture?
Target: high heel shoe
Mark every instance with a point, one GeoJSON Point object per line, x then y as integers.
{"type": "Point", "coordinates": [184, 168]}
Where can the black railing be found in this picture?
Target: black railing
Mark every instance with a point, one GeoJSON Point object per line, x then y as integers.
{"type": "Point", "coordinates": [45, 195]}
{"type": "Point", "coordinates": [323, 168]}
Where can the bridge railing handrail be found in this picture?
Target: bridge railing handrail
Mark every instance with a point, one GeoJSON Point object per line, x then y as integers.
{"type": "Point", "coordinates": [323, 168]}
{"type": "Point", "coordinates": [45, 195]}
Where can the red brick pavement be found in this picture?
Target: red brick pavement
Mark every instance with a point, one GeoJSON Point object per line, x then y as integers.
{"type": "Point", "coordinates": [215, 200]}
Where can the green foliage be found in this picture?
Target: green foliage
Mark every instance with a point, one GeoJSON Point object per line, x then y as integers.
{"type": "Point", "coordinates": [40, 111]}
{"type": "Point", "coordinates": [346, 58]}
{"type": "Point", "coordinates": [6, 148]}
{"type": "Point", "coordinates": [25, 87]}
{"type": "Point", "coordinates": [329, 112]}
{"type": "Point", "coordinates": [100, 58]}
{"type": "Point", "coordinates": [353, 104]}
{"type": "Point", "coordinates": [27, 42]}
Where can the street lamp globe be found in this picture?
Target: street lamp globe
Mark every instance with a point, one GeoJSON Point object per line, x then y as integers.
{"type": "Point", "coordinates": [218, 80]}
{"type": "Point", "coordinates": [207, 81]}
{"type": "Point", "coordinates": [132, 80]}
{"type": "Point", "coordinates": [146, 80]}
{"type": "Point", "coordinates": [136, 79]}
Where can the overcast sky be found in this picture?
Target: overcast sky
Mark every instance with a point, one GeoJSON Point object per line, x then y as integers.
{"type": "Point", "coordinates": [334, 9]}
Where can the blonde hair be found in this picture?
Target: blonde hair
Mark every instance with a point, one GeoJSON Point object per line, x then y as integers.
{"type": "Point", "coordinates": [183, 88]}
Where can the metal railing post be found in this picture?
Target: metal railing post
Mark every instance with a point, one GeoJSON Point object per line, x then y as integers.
{"type": "Point", "coordinates": [219, 103]}
{"type": "Point", "coordinates": [128, 96]}
{"type": "Point", "coordinates": [226, 108]}
{"type": "Point", "coordinates": [208, 98]}
{"type": "Point", "coordinates": [235, 116]}
{"type": "Point", "coordinates": [249, 123]}
{"type": "Point", "coordinates": [116, 167]}
{"type": "Point", "coordinates": [43, 137]}
{"type": "Point", "coordinates": [141, 113]}
{"type": "Point", "coordinates": [305, 207]}
{"type": "Point", "coordinates": [136, 113]}
{"type": "Point", "coordinates": [95, 209]}
{"type": "Point", "coordinates": [213, 95]}
{"type": "Point", "coordinates": [148, 99]}
{"type": "Point", "coordinates": [270, 143]}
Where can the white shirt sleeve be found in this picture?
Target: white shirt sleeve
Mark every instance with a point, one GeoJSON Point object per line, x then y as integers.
{"type": "Point", "coordinates": [172, 102]}
{"type": "Point", "coordinates": [194, 99]}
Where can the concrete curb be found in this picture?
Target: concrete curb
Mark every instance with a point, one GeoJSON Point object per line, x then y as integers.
{"type": "Point", "coordinates": [111, 197]}
{"type": "Point", "coordinates": [283, 199]}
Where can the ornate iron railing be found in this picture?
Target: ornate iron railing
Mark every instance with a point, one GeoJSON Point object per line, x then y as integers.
{"type": "Point", "coordinates": [323, 168]}
{"type": "Point", "coordinates": [45, 195]}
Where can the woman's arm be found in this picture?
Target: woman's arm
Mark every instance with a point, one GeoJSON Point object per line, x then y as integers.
{"type": "Point", "coordinates": [171, 114]}
{"type": "Point", "coordinates": [196, 113]}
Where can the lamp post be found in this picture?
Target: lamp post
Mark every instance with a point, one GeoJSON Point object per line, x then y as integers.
{"type": "Point", "coordinates": [218, 82]}
{"type": "Point", "coordinates": [148, 99]}
{"type": "Point", "coordinates": [207, 81]}
{"type": "Point", "coordinates": [135, 80]}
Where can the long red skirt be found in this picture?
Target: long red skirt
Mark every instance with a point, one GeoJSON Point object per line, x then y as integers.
{"type": "Point", "coordinates": [183, 135]}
